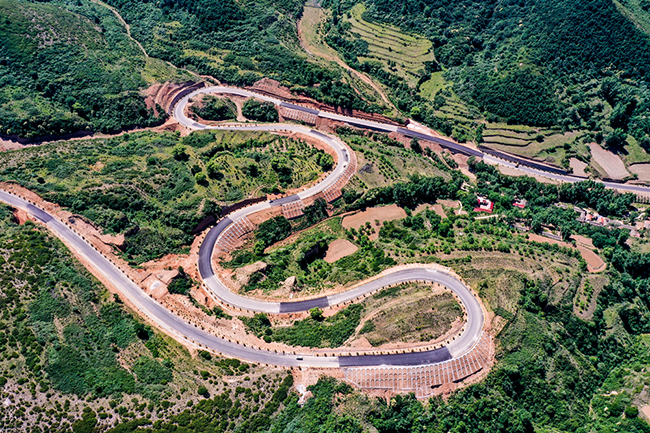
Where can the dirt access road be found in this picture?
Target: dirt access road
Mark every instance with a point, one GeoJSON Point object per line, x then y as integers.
{"type": "Point", "coordinates": [311, 42]}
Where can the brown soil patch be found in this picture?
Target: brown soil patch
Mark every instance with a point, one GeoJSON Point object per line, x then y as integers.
{"type": "Point", "coordinates": [10, 145]}
{"type": "Point", "coordinates": [645, 411]}
{"type": "Point", "coordinates": [609, 162]}
{"type": "Point", "coordinates": [642, 171]}
{"type": "Point", "coordinates": [463, 166]}
{"type": "Point", "coordinates": [338, 249]}
{"type": "Point", "coordinates": [594, 262]}
{"type": "Point", "coordinates": [21, 216]}
{"type": "Point", "coordinates": [437, 208]}
{"type": "Point", "coordinates": [578, 167]}
{"type": "Point", "coordinates": [583, 240]}
{"type": "Point", "coordinates": [375, 216]}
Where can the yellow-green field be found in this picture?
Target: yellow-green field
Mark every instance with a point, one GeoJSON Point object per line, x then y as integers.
{"type": "Point", "coordinates": [523, 140]}
{"type": "Point", "coordinates": [156, 70]}
{"type": "Point", "coordinates": [437, 82]}
{"type": "Point", "coordinates": [401, 53]}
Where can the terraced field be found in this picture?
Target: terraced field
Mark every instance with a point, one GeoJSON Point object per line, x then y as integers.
{"type": "Point", "coordinates": [536, 143]}
{"type": "Point", "coordinates": [401, 53]}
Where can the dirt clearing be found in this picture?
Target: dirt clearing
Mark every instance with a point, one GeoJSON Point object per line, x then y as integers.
{"type": "Point", "coordinates": [578, 167]}
{"type": "Point", "coordinates": [641, 170]}
{"type": "Point", "coordinates": [594, 262]}
{"type": "Point", "coordinates": [338, 249]}
{"type": "Point", "coordinates": [437, 208]}
{"type": "Point", "coordinates": [609, 162]}
{"type": "Point", "coordinates": [375, 216]}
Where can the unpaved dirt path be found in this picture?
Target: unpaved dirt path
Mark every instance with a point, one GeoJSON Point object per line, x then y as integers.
{"type": "Point", "coordinates": [121, 20]}
{"type": "Point", "coordinates": [313, 16]}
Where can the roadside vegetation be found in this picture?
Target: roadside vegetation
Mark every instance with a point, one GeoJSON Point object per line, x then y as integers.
{"type": "Point", "coordinates": [402, 314]}
{"type": "Point", "coordinates": [72, 358]}
{"type": "Point", "coordinates": [262, 111]}
{"type": "Point", "coordinates": [156, 188]}
{"type": "Point", "coordinates": [214, 108]}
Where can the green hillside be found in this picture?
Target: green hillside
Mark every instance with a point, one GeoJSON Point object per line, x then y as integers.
{"type": "Point", "coordinates": [66, 67]}
{"type": "Point", "coordinates": [579, 66]}
{"type": "Point", "coordinates": [238, 42]}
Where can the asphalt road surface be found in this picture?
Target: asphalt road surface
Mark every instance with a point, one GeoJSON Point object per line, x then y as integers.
{"type": "Point", "coordinates": [377, 126]}
{"type": "Point", "coordinates": [175, 325]}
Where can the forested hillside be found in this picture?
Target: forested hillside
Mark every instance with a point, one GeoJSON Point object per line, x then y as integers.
{"type": "Point", "coordinates": [577, 64]}
{"type": "Point", "coordinates": [238, 42]}
{"type": "Point", "coordinates": [66, 67]}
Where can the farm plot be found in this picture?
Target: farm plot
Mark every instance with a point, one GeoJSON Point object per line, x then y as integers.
{"type": "Point", "coordinates": [536, 143]}
{"type": "Point", "coordinates": [401, 53]}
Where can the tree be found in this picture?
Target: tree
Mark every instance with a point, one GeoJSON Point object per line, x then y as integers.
{"type": "Point", "coordinates": [616, 140]}
{"type": "Point", "coordinates": [261, 111]}
{"type": "Point", "coordinates": [416, 146]}
{"type": "Point", "coordinates": [87, 423]}
{"type": "Point", "coordinates": [203, 391]}
{"type": "Point", "coordinates": [178, 152]}
{"type": "Point", "coordinates": [316, 314]}
{"type": "Point", "coordinates": [201, 178]}
{"type": "Point", "coordinates": [631, 412]}
{"type": "Point", "coordinates": [325, 161]}
{"type": "Point", "coordinates": [214, 168]}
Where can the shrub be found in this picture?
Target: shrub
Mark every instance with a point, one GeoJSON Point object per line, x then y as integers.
{"type": "Point", "coordinates": [631, 412]}
{"type": "Point", "coordinates": [261, 111]}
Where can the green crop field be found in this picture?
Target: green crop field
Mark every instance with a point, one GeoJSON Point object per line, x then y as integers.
{"type": "Point", "coordinates": [536, 143]}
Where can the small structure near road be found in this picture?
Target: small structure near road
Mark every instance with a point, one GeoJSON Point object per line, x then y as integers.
{"type": "Point", "coordinates": [520, 203]}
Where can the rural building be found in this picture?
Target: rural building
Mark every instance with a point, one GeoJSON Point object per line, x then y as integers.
{"type": "Point", "coordinates": [521, 203]}
{"type": "Point", "coordinates": [484, 205]}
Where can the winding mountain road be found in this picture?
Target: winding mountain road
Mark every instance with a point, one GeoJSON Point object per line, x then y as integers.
{"type": "Point", "coordinates": [175, 325]}
{"type": "Point", "coordinates": [525, 166]}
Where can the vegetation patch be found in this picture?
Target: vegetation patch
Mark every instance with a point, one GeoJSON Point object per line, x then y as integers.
{"type": "Point", "coordinates": [261, 111]}
{"type": "Point", "coordinates": [65, 67]}
{"type": "Point", "coordinates": [410, 314]}
{"type": "Point", "coordinates": [156, 188]}
{"type": "Point", "coordinates": [314, 331]}
{"type": "Point", "coordinates": [213, 108]}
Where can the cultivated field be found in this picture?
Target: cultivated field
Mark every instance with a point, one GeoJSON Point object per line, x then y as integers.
{"type": "Point", "coordinates": [611, 163]}
{"type": "Point", "coordinates": [536, 143]}
{"type": "Point", "coordinates": [375, 217]}
{"type": "Point", "coordinates": [401, 53]}
{"type": "Point", "coordinates": [338, 249]}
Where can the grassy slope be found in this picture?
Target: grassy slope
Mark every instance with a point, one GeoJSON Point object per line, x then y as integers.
{"type": "Point", "coordinates": [133, 182]}
{"type": "Point", "coordinates": [402, 53]}
{"type": "Point", "coordinates": [310, 28]}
